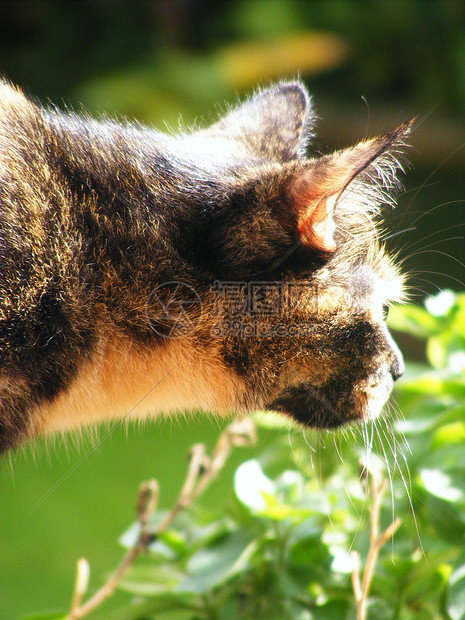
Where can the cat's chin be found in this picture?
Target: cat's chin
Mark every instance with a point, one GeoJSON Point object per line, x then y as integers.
{"type": "Point", "coordinates": [325, 409]}
{"type": "Point", "coordinates": [371, 400]}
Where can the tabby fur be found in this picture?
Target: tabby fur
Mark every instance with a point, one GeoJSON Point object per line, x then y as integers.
{"type": "Point", "coordinates": [219, 269]}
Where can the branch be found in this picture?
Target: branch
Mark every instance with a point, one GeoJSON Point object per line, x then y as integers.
{"type": "Point", "coordinates": [200, 473]}
{"type": "Point", "coordinates": [81, 583]}
{"type": "Point", "coordinates": [361, 587]}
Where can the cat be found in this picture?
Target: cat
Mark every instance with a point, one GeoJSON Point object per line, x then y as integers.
{"type": "Point", "coordinates": [220, 269]}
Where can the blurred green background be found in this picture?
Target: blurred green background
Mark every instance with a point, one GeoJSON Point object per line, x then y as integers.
{"type": "Point", "coordinates": [369, 66]}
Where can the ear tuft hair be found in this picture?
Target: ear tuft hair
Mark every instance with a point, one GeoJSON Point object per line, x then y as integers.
{"type": "Point", "coordinates": [274, 124]}
{"type": "Point", "coordinates": [316, 187]}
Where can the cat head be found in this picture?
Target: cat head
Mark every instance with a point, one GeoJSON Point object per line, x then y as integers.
{"type": "Point", "coordinates": [293, 279]}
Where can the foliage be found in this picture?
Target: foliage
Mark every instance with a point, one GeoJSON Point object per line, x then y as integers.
{"type": "Point", "coordinates": [411, 50]}
{"type": "Point", "coordinates": [282, 548]}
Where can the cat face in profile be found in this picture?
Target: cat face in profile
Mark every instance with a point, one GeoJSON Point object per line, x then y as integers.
{"type": "Point", "coordinates": [222, 269]}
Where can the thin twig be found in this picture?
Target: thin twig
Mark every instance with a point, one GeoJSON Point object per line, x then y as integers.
{"type": "Point", "coordinates": [146, 504]}
{"type": "Point", "coordinates": [200, 473]}
{"type": "Point", "coordinates": [356, 575]}
{"type": "Point", "coordinates": [81, 583]}
{"type": "Point", "coordinates": [361, 587]}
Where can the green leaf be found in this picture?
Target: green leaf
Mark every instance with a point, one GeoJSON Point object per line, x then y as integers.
{"type": "Point", "coordinates": [440, 484]}
{"type": "Point", "coordinates": [448, 520]}
{"type": "Point", "coordinates": [152, 580]}
{"type": "Point", "coordinates": [436, 350]}
{"type": "Point", "coordinates": [453, 414]}
{"type": "Point", "coordinates": [456, 594]}
{"type": "Point", "coordinates": [446, 349]}
{"type": "Point", "coordinates": [418, 426]}
{"type": "Point", "coordinates": [336, 609]}
{"type": "Point", "coordinates": [169, 544]}
{"type": "Point", "coordinates": [458, 319]}
{"type": "Point", "coordinates": [250, 485]}
{"type": "Point", "coordinates": [151, 609]}
{"type": "Point", "coordinates": [213, 566]}
{"type": "Point", "coordinates": [435, 385]}
{"type": "Point", "coordinates": [303, 531]}
{"type": "Point", "coordinates": [129, 538]}
{"type": "Point", "coordinates": [280, 512]}
{"type": "Point", "coordinates": [442, 303]}
{"type": "Point", "coordinates": [305, 546]}
{"type": "Point", "coordinates": [268, 420]}
{"type": "Point", "coordinates": [426, 583]}
{"type": "Point", "coordinates": [310, 551]}
{"type": "Point", "coordinates": [205, 534]}
{"type": "Point", "coordinates": [449, 434]}
{"type": "Point", "coordinates": [294, 611]}
{"type": "Point", "coordinates": [379, 609]}
{"type": "Point", "coordinates": [413, 320]}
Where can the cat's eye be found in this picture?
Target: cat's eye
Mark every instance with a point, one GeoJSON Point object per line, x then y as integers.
{"type": "Point", "coordinates": [385, 312]}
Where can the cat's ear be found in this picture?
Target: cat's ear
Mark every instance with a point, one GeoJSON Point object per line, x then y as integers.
{"type": "Point", "coordinates": [274, 124]}
{"type": "Point", "coordinates": [362, 174]}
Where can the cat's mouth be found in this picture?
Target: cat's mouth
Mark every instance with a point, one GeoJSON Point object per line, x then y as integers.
{"type": "Point", "coordinates": [335, 403]}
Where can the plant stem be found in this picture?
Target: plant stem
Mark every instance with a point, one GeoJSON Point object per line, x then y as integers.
{"type": "Point", "coordinates": [200, 473]}
{"type": "Point", "coordinates": [361, 587]}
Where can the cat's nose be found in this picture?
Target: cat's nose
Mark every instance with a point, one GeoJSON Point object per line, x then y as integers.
{"type": "Point", "coordinates": [397, 363]}
{"type": "Point", "coordinates": [397, 368]}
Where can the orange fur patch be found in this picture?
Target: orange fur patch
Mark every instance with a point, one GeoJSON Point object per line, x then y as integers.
{"type": "Point", "coordinates": [122, 382]}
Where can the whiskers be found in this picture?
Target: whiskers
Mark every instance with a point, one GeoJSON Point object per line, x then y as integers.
{"type": "Point", "coordinates": [389, 450]}
{"type": "Point", "coordinates": [350, 452]}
